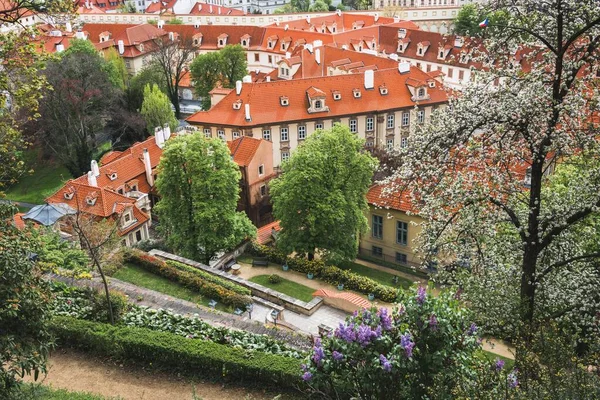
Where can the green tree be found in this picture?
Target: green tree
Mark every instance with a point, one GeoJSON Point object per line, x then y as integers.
{"type": "Point", "coordinates": [21, 88]}
{"type": "Point", "coordinates": [323, 186]}
{"type": "Point", "coordinates": [156, 109]}
{"type": "Point", "coordinates": [471, 15]}
{"type": "Point", "coordinates": [117, 71]}
{"type": "Point", "coordinates": [206, 73]}
{"type": "Point", "coordinates": [24, 308]}
{"type": "Point", "coordinates": [319, 6]}
{"type": "Point", "coordinates": [234, 64]}
{"type": "Point", "coordinates": [199, 187]}
{"type": "Point", "coordinates": [150, 75]}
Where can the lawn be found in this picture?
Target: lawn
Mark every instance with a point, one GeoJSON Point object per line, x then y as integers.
{"type": "Point", "coordinates": [37, 391]}
{"type": "Point", "coordinates": [378, 276]}
{"type": "Point", "coordinates": [46, 179]}
{"type": "Point", "coordinates": [508, 363]}
{"type": "Point", "coordinates": [140, 277]}
{"type": "Point", "coordinates": [288, 287]}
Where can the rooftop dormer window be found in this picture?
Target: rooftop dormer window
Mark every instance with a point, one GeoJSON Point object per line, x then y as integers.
{"type": "Point", "coordinates": [91, 199]}
{"type": "Point", "coordinates": [337, 95]}
{"type": "Point", "coordinates": [112, 175]}
{"type": "Point", "coordinates": [356, 93]}
{"type": "Point", "coordinates": [441, 54]}
{"type": "Point", "coordinates": [237, 104]}
{"type": "Point", "coordinates": [463, 58]}
{"type": "Point", "coordinates": [221, 42]}
{"type": "Point", "coordinates": [383, 90]}
{"type": "Point", "coordinates": [420, 51]}
{"type": "Point", "coordinates": [421, 92]}
{"type": "Point", "coordinates": [142, 47]}
{"type": "Point", "coordinates": [284, 46]}
{"type": "Point", "coordinates": [401, 33]}
{"type": "Point", "coordinates": [68, 195]}
{"type": "Point", "coordinates": [245, 43]}
{"type": "Point", "coordinates": [270, 44]}
{"type": "Point", "coordinates": [318, 104]}
{"type": "Point", "coordinates": [284, 101]}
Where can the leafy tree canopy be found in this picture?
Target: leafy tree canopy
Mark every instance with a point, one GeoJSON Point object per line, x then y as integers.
{"type": "Point", "coordinates": [156, 109]}
{"type": "Point", "coordinates": [324, 185]}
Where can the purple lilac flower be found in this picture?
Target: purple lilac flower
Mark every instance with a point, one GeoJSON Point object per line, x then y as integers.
{"type": "Point", "coordinates": [355, 313]}
{"type": "Point", "coordinates": [364, 335]}
{"type": "Point", "coordinates": [401, 310]}
{"type": "Point", "coordinates": [421, 295]}
{"type": "Point", "coordinates": [407, 344]}
{"type": "Point", "coordinates": [385, 363]}
{"type": "Point", "coordinates": [472, 329]}
{"type": "Point", "coordinates": [499, 364]}
{"type": "Point", "coordinates": [366, 316]}
{"type": "Point", "coordinates": [513, 382]}
{"type": "Point", "coordinates": [304, 367]}
{"type": "Point", "coordinates": [386, 320]}
{"type": "Point", "coordinates": [346, 332]}
{"type": "Point", "coordinates": [307, 376]}
{"type": "Point", "coordinates": [337, 356]}
{"type": "Point", "coordinates": [318, 354]}
{"type": "Point", "coordinates": [433, 322]}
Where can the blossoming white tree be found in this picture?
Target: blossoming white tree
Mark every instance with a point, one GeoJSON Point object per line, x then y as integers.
{"type": "Point", "coordinates": [480, 169]}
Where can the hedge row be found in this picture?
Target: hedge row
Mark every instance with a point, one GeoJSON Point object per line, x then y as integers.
{"type": "Point", "coordinates": [211, 278]}
{"type": "Point", "coordinates": [187, 279]}
{"type": "Point", "coordinates": [328, 273]}
{"type": "Point", "coordinates": [166, 350]}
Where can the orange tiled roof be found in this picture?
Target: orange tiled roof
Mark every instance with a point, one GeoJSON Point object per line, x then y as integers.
{"type": "Point", "coordinates": [105, 200]}
{"type": "Point", "coordinates": [350, 297]}
{"type": "Point", "coordinates": [395, 201]}
{"type": "Point", "coordinates": [243, 149]}
{"type": "Point", "coordinates": [265, 107]}
{"type": "Point", "coordinates": [212, 9]}
{"type": "Point", "coordinates": [18, 221]}
{"type": "Point", "coordinates": [263, 235]}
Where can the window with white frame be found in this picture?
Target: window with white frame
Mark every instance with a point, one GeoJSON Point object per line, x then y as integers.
{"type": "Point", "coordinates": [404, 142]}
{"type": "Point", "coordinates": [267, 134]}
{"type": "Point", "coordinates": [370, 124]}
{"type": "Point", "coordinates": [285, 156]}
{"type": "Point", "coordinates": [421, 93]}
{"type": "Point", "coordinates": [221, 134]}
{"type": "Point", "coordinates": [235, 134]}
{"type": "Point", "coordinates": [353, 125]}
{"type": "Point", "coordinates": [390, 121]}
{"type": "Point", "coordinates": [319, 125]}
{"type": "Point", "coordinates": [263, 190]}
{"type": "Point", "coordinates": [402, 233]}
{"type": "Point", "coordinates": [405, 118]}
{"type": "Point", "coordinates": [284, 134]}
{"type": "Point", "coordinates": [301, 132]}
{"type": "Point", "coordinates": [390, 143]}
{"type": "Point", "coordinates": [207, 132]}
{"type": "Point", "coordinates": [421, 116]}
{"type": "Point", "coordinates": [261, 169]}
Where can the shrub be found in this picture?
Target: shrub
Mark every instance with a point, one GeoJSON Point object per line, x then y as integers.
{"type": "Point", "coordinates": [274, 279]}
{"type": "Point", "coordinates": [191, 280]}
{"type": "Point", "coordinates": [177, 353]}
{"type": "Point", "coordinates": [211, 278]}
{"type": "Point", "coordinates": [328, 273]}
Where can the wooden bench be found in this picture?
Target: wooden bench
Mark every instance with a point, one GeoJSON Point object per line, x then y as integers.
{"type": "Point", "coordinates": [228, 264]}
{"type": "Point", "coordinates": [260, 262]}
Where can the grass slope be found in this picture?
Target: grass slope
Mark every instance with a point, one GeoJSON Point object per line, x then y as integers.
{"type": "Point", "coordinates": [378, 276]}
{"type": "Point", "coordinates": [140, 277]}
{"type": "Point", "coordinates": [286, 286]}
{"type": "Point", "coordinates": [31, 391]}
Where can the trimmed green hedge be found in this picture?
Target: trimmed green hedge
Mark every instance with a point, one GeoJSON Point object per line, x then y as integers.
{"type": "Point", "coordinates": [211, 278]}
{"type": "Point", "coordinates": [328, 273]}
{"type": "Point", "coordinates": [192, 356]}
{"type": "Point", "coordinates": [190, 280]}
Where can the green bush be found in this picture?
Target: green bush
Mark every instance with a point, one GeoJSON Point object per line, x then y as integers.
{"type": "Point", "coordinates": [274, 278]}
{"type": "Point", "coordinates": [191, 280]}
{"type": "Point", "coordinates": [211, 278]}
{"type": "Point", "coordinates": [173, 352]}
{"type": "Point", "coordinates": [328, 273]}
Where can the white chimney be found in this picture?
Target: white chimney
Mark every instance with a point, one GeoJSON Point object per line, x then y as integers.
{"type": "Point", "coordinates": [286, 27]}
{"type": "Point", "coordinates": [308, 19]}
{"type": "Point", "coordinates": [121, 46]}
{"type": "Point", "coordinates": [288, 54]}
{"type": "Point", "coordinates": [148, 168]}
{"type": "Point", "coordinates": [60, 48]}
{"type": "Point", "coordinates": [394, 56]}
{"type": "Point", "coordinates": [166, 132]}
{"type": "Point", "coordinates": [92, 179]}
{"type": "Point", "coordinates": [317, 43]}
{"type": "Point", "coordinates": [338, 12]}
{"type": "Point", "coordinates": [171, 36]}
{"type": "Point", "coordinates": [344, 47]}
{"type": "Point", "coordinates": [268, 79]}
{"type": "Point", "coordinates": [158, 137]}
{"type": "Point", "coordinates": [210, 9]}
{"type": "Point", "coordinates": [309, 47]}
{"type": "Point", "coordinates": [318, 56]}
{"type": "Point", "coordinates": [458, 41]}
{"type": "Point", "coordinates": [376, 17]}
{"type": "Point", "coordinates": [396, 19]}
{"type": "Point", "coordinates": [247, 79]}
{"type": "Point", "coordinates": [247, 109]}
{"type": "Point", "coordinates": [95, 169]}
{"type": "Point", "coordinates": [369, 79]}
{"type": "Point", "coordinates": [160, 24]}
{"type": "Point", "coordinates": [238, 87]}
{"type": "Point", "coordinates": [68, 27]}
{"type": "Point", "coordinates": [80, 35]}
{"type": "Point", "coordinates": [404, 67]}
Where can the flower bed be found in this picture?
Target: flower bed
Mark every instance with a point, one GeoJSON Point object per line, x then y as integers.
{"type": "Point", "coordinates": [189, 279]}
{"type": "Point", "coordinates": [328, 273]}
{"type": "Point", "coordinates": [176, 353]}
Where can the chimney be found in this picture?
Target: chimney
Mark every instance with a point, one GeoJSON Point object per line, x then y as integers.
{"type": "Point", "coordinates": [148, 168]}
{"type": "Point", "coordinates": [210, 9]}
{"type": "Point", "coordinates": [268, 79]}
{"type": "Point", "coordinates": [286, 27]}
{"type": "Point", "coordinates": [309, 47]}
{"type": "Point", "coordinates": [60, 48]}
{"type": "Point", "coordinates": [158, 137]}
{"type": "Point", "coordinates": [95, 169]}
{"type": "Point", "coordinates": [318, 56]}
{"type": "Point", "coordinates": [394, 56]}
{"type": "Point", "coordinates": [171, 36]}
{"type": "Point", "coordinates": [396, 19]}
{"type": "Point", "coordinates": [238, 87]}
{"type": "Point", "coordinates": [308, 19]}
{"type": "Point", "coordinates": [121, 46]}
{"type": "Point", "coordinates": [92, 179]}
{"type": "Point", "coordinates": [160, 24]}
{"type": "Point", "coordinates": [247, 109]}
{"type": "Point", "coordinates": [68, 27]}
{"type": "Point", "coordinates": [369, 79]}
{"type": "Point", "coordinates": [247, 79]}
{"type": "Point", "coordinates": [166, 132]}
{"type": "Point", "coordinates": [404, 67]}
{"type": "Point", "coordinates": [317, 43]}
{"type": "Point", "coordinates": [459, 41]}
{"type": "Point", "coordinates": [376, 17]}
{"type": "Point", "coordinates": [80, 35]}
{"type": "Point", "coordinates": [288, 54]}
{"type": "Point", "coordinates": [338, 12]}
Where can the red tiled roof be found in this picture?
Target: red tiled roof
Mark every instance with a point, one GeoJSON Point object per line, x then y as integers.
{"type": "Point", "coordinates": [263, 235]}
{"type": "Point", "coordinates": [109, 157]}
{"type": "Point", "coordinates": [265, 107]}
{"type": "Point", "coordinates": [211, 9]}
{"type": "Point", "coordinates": [104, 205]}
{"type": "Point", "coordinates": [243, 149]}
{"type": "Point", "coordinates": [378, 197]}
{"type": "Point", "coordinates": [18, 221]}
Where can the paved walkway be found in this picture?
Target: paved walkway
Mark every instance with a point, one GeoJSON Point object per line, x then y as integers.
{"type": "Point", "coordinates": [19, 203]}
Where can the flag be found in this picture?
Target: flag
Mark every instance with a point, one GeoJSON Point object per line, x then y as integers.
{"type": "Point", "coordinates": [484, 23]}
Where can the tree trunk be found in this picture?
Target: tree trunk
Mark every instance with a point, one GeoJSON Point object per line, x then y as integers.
{"type": "Point", "coordinates": [175, 101]}
{"type": "Point", "coordinates": [106, 291]}
{"type": "Point", "coordinates": [311, 256]}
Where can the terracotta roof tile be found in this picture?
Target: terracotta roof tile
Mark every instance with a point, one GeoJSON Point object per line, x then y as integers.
{"type": "Point", "coordinates": [379, 197]}
{"type": "Point", "coordinates": [263, 235]}
{"type": "Point", "coordinates": [353, 298]}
